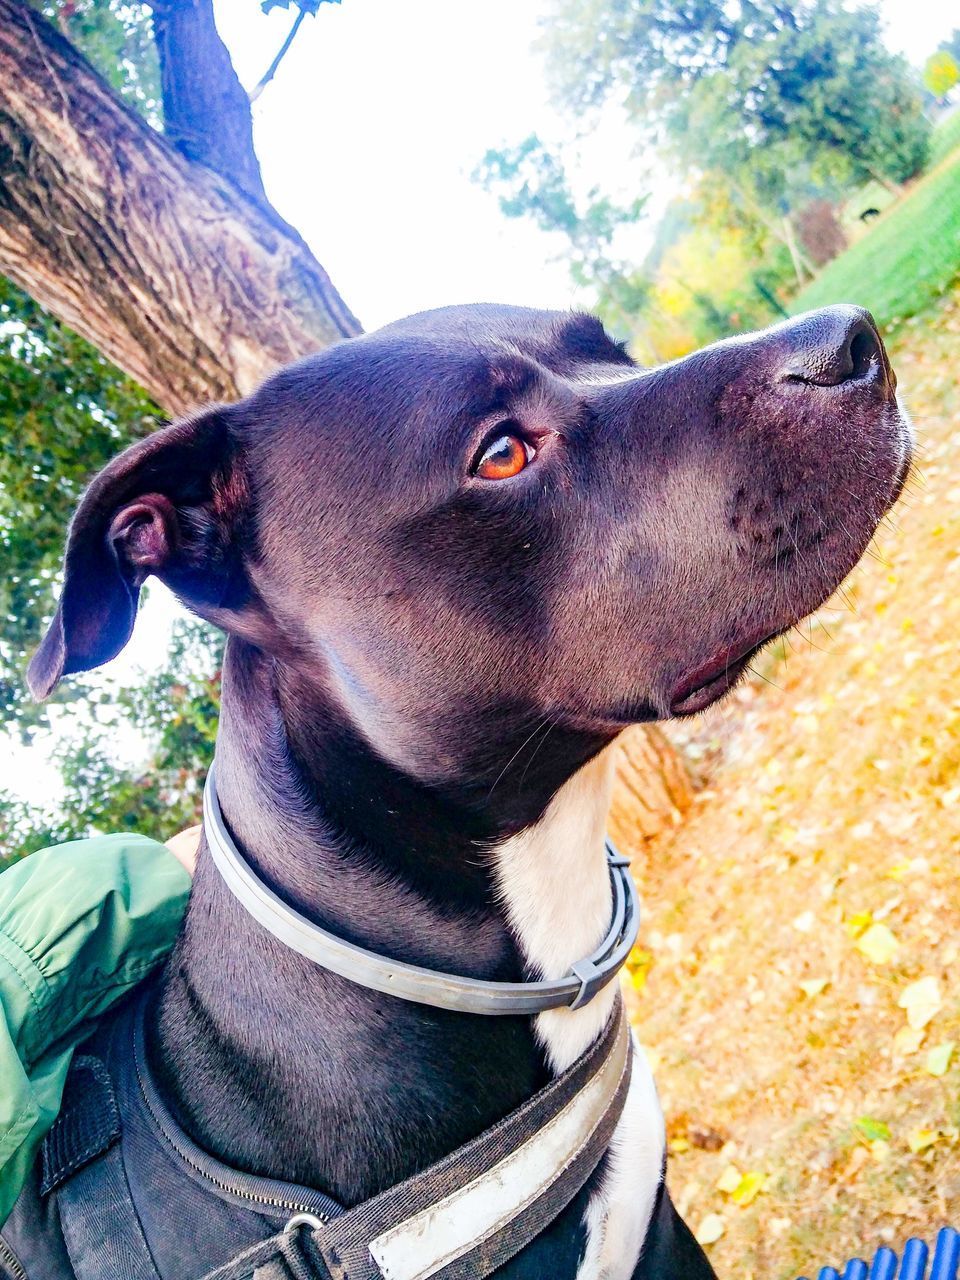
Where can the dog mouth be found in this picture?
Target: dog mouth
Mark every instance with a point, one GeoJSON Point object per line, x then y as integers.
{"type": "Point", "coordinates": [715, 678]}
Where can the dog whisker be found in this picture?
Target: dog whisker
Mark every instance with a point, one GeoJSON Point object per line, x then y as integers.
{"type": "Point", "coordinates": [550, 727]}
{"type": "Point", "coordinates": [527, 740]}
{"type": "Point", "coordinates": [772, 683]}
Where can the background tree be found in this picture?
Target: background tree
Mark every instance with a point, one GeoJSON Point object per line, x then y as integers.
{"type": "Point", "coordinates": [941, 73]}
{"type": "Point", "coordinates": [531, 182]}
{"type": "Point", "coordinates": [64, 412]}
{"type": "Point", "coordinates": [952, 45]}
{"type": "Point", "coordinates": [771, 113]}
{"type": "Point", "coordinates": [712, 274]}
{"type": "Point", "coordinates": [714, 267]}
{"type": "Point", "coordinates": [753, 88]}
{"type": "Point", "coordinates": [175, 712]}
{"type": "Point", "coordinates": [94, 204]}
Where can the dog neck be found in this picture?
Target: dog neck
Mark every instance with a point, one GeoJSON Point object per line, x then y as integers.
{"type": "Point", "coordinates": [284, 1069]}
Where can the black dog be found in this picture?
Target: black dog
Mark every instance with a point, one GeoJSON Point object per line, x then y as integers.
{"type": "Point", "coordinates": [455, 558]}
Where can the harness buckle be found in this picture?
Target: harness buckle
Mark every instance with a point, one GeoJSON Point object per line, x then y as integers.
{"type": "Point", "coordinates": [299, 1220]}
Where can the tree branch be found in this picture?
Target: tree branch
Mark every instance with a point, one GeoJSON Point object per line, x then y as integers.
{"type": "Point", "coordinates": [164, 266]}
{"type": "Point", "coordinates": [271, 71]}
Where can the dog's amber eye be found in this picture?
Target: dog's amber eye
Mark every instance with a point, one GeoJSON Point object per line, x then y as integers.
{"type": "Point", "coordinates": [504, 457]}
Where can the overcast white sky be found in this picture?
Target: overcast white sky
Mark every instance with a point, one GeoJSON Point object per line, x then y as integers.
{"type": "Point", "coordinates": [367, 138]}
{"type": "Point", "coordinates": [381, 110]}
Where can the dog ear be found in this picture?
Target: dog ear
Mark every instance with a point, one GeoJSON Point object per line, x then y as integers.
{"type": "Point", "coordinates": [170, 505]}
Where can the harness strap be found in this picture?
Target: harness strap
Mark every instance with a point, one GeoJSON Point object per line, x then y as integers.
{"type": "Point", "coordinates": [471, 1212]}
{"type": "Point", "coordinates": [290, 1255]}
{"type": "Point", "coordinates": [83, 1161]}
{"type": "Point", "coordinates": [460, 1219]}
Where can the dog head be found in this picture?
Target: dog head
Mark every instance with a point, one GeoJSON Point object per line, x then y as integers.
{"type": "Point", "coordinates": [482, 519]}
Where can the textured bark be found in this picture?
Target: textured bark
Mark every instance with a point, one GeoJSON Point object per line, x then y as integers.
{"type": "Point", "coordinates": [652, 790]}
{"type": "Point", "coordinates": [193, 289]}
{"type": "Point", "coordinates": [206, 111]}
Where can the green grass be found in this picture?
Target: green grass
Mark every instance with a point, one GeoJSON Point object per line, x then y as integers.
{"type": "Point", "coordinates": [910, 256]}
{"type": "Point", "coordinates": [872, 196]}
{"type": "Point", "coordinates": [945, 138]}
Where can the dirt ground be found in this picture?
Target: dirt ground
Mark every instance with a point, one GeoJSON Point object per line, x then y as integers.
{"type": "Point", "coordinates": [796, 983]}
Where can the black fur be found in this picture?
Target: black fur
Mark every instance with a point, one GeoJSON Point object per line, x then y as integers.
{"type": "Point", "coordinates": [405, 635]}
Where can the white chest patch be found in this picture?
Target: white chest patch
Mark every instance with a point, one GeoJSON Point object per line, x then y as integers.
{"type": "Point", "coordinates": [553, 881]}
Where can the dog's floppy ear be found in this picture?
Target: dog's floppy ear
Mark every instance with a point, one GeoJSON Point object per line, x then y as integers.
{"type": "Point", "coordinates": [169, 505]}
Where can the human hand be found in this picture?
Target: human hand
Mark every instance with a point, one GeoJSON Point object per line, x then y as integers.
{"type": "Point", "coordinates": [184, 847]}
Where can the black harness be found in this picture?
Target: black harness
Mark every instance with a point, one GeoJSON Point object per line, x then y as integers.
{"type": "Point", "coordinates": [121, 1193]}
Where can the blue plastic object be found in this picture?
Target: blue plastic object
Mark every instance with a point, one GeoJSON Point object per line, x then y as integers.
{"type": "Point", "coordinates": [912, 1266]}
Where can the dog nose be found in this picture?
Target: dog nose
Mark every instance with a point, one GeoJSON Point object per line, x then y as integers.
{"type": "Point", "coordinates": [835, 346]}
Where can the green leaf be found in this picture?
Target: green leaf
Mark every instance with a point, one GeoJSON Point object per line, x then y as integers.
{"type": "Point", "coordinates": [872, 1130]}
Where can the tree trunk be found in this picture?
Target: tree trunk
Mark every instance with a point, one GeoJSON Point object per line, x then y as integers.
{"type": "Point", "coordinates": [796, 257]}
{"type": "Point", "coordinates": [782, 233]}
{"type": "Point", "coordinates": [206, 111]}
{"type": "Point", "coordinates": [195, 290]}
{"type": "Point", "coordinates": [894, 188]}
{"type": "Point", "coordinates": [652, 790]}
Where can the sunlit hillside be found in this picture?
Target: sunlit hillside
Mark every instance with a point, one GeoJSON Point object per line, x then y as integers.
{"type": "Point", "coordinates": [799, 986]}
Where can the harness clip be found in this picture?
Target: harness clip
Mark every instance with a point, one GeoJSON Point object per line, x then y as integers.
{"type": "Point", "coordinates": [302, 1220]}
{"type": "Point", "coordinates": [591, 980]}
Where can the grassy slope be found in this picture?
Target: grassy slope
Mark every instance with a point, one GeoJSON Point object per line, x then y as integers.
{"type": "Point", "coordinates": [838, 794]}
{"type": "Point", "coordinates": [911, 255]}
{"type": "Point", "coordinates": [945, 138]}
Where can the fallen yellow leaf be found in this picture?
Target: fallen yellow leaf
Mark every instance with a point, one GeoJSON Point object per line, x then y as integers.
{"type": "Point", "coordinates": [878, 944]}
{"type": "Point", "coordinates": [750, 1187]}
{"type": "Point", "coordinates": [908, 1039]}
{"type": "Point", "coordinates": [729, 1180]}
{"type": "Point", "coordinates": [922, 1001]}
{"type": "Point", "coordinates": [938, 1058]}
{"type": "Point", "coordinates": [813, 986]}
{"type": "Point", "coordinates": [860, 920]}
{"type": "Point", "coordinates": [872, 1129]}
{"type": "Point", "coordinates": [920, 1139]}
{"type": "Point", "coordinates": [710, 1229]}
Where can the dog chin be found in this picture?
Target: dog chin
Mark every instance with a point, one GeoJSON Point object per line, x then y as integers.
{"type": "Point", "coordinates": [906, 438]}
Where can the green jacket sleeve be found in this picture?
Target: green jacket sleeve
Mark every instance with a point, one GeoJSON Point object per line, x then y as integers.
{"type": "Point", "coordinates": [80, 925]}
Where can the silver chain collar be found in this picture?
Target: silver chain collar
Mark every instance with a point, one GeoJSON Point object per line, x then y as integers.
{"type": "Point", "coordinates": [410, 981]}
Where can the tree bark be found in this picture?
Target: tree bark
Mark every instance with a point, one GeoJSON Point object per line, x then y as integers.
{"type": "Point", "coordinates": [206, 111]}
{"type": "Point", "coordinates": [193, 289]}
{"type": "Point", "coordinates": [652, 790]}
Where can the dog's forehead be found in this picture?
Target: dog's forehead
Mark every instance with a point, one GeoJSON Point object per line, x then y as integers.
{"type": "Point", "coordinates": [561, 340]}
{"type": "Point", "coordinates": [434, 368]}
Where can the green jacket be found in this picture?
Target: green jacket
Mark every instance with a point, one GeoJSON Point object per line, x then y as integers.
{"type": "Point", "coordinates": [79, 926]}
